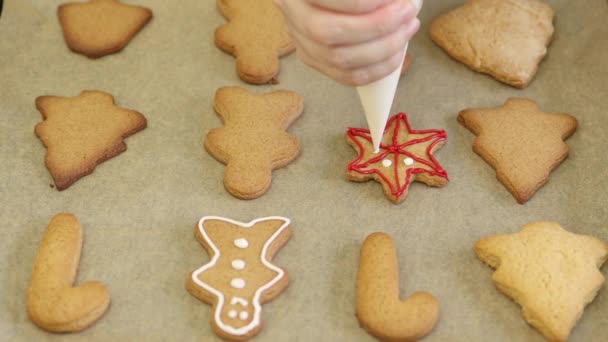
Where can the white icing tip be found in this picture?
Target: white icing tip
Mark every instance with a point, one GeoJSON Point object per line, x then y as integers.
{"type": "Point", "coordinates": [387, 162]}
{"type": "Point", "coordinates": [408, 161]}
{"type": "Point", "coordinates": [237, 283]}
{"type": "Point", "coordinates": [238, 264]}
{"type": "Point", "coordinates": [243, 315]}
{"type": "Point", "coordinates": [232, 313]}
{"type": "Point", "coordinates": [241, 243]}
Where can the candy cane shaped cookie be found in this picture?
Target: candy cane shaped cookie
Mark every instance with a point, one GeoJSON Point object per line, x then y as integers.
{"type": "Point", "coordinates": [379, 309]}
{"type": "Point", "coordinates": [53, 303]}
{"type": "Point", "coordinates": [240, 277]}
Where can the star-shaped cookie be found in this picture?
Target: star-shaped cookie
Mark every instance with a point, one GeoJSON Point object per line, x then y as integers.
{"type": "Point", "coordinates": [101, 27]}
{"type": "Point", "coordinates": [521, 142]}
{"type": "Point", "coordinates": [552, 273]}
{"type": "Point", "coordinates": [83, 131]}
{"type": "Point", "coordinates": [505, 39]}
{"type": "Point", "coordinates": [406, 155]}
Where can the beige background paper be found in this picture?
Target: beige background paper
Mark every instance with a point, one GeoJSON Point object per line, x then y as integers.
{"type": "Point", "coordinates": [139, 209]}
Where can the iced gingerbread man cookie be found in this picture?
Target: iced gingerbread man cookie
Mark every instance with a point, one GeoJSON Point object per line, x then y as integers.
{"type": "Point", "coordinates": [240, 276]}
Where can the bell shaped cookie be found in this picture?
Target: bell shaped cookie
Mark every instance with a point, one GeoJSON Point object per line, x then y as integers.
{"type": "Point", "coordinates": [101, 27]}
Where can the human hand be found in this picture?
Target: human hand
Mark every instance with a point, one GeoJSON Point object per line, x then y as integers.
{"type": "Point", "coordinates": [354, 42]}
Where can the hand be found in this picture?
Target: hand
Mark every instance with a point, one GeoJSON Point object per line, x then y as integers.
{"type": "Point", "coordinates": [354, 42]}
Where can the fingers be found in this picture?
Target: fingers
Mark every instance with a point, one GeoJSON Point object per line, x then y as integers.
{"type": "Point", "coordinates": [355, 77]}
{"type": "Point", "coordinates": [349, 6]}
{"type": "Point", "coordinates": [338, 29]}
{"type": "Point", "coordinates": [357, 64]}
{"type": "Point", "coordinates": [354, 49]}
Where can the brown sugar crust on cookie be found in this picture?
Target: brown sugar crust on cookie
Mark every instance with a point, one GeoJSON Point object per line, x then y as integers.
{"type": "Point", "coordinates": [506, 39]}
{"type": "Point", "coordinates": [552, 273]}
{"type": "Point", "coordinates": [82, 132]}
{"type": "Point", "coordinates": [256, 34]}
{"type": "Point", "coordinates": [522, 143]}
{"type": "Point", "coordinates": [253, 140]}
{"type": "Point", "coordinates": [380, 310]}
{"type": "Point", "coordinates": [53, 303]}
{"type": "Point", "coordinates": [100, 27]}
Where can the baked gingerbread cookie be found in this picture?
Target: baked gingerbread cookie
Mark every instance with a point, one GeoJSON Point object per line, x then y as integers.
{"type": "Point", "coordinates": [101, 27]}
{"type": "Point", "coordinates": [380, 311]}
{"type": "Point", "coordinates": [406, 155]}
{"type": "Point", "coordinates": [253, 141]}
{"type": "Point", "coordinates": [552, 273]}
{"type": "Point", "coordinates": [240, 276]}
{"type": "Point", "coordinates": [505, 39]}
{"type": "Point", "coordinates": [521, 142]}
{"type": "Point", "coordinates": [83, 131]}
{"type": "Point", "coordinates": [256, 34]}
{"type": "Point", "coordinates": [53, 303]}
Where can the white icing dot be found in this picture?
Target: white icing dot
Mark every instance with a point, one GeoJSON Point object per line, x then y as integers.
{"type": "Point", "coordinates": [237, 283]}
{"type": "Point", "coordinates": [243, 315]}
{"type": "Point", "coordinates": [408, 161]}
{"type": "Point", "coordinates": [241, 243]}
{"type": "Point", "coordinates": [238, 264]}
{"type": "Point", "coordinates": [387, 162]}
{"type": "Point", "coordinates": [232, 313]}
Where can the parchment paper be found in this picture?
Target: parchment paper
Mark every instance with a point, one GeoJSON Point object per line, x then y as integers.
{"type": "Point", "coordinates": [138, 210]}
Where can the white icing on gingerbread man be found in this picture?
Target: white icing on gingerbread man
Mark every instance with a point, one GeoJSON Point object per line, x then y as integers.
{"type": "Point", "coordinates": [233, 281]}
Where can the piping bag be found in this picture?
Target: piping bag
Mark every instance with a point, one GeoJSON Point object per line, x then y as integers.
{"type": "Point", "coordinates": [377, 97]}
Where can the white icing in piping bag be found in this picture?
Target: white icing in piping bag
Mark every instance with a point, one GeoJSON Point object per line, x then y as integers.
{"type": "Point", "coordinates": [377, 98]}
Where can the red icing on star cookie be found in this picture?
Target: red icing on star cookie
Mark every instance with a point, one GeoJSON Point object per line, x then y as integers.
{"type": "Point", "coordinates": [406, 155]}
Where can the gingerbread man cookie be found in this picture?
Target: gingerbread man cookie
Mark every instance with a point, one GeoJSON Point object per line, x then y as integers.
{"type": "Point", "coordinates": [240, 276]}
{"type": "Point", "coordinates": [406, 155]}
{"type": "Point", "coordinates": [256, 34]}
{"type": "Point", "coordinates": [83, 131]}
{"type": "Point", "coordinates": [53, 303]}
{"type": "Point", "coordinates": [101, 27]}
{"type": "Point", "coordinates": [552, 273]}
{"type": "Point", "coordinates": [253, 140]}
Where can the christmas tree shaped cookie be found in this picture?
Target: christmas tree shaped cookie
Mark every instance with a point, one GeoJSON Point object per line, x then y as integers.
{"type": "Point", "coordinates": [256, 35]}
{"type": "Point", "coordinates": [240, 276]}
{"type": "Point", "coordinates": [253, 140]}
{"type": "Point", "coordinates": [505, 39]}
{"type": "Point", "coordinates": [522, 143]}
{"type": "Point", "coordinates": [83, 131]}
{"type": "Point", "coordinates": [552, 273]}
{"type": "Point", "coordinates": [406, 155]}
{"type": "Point", "coordinates": [101, 27]}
